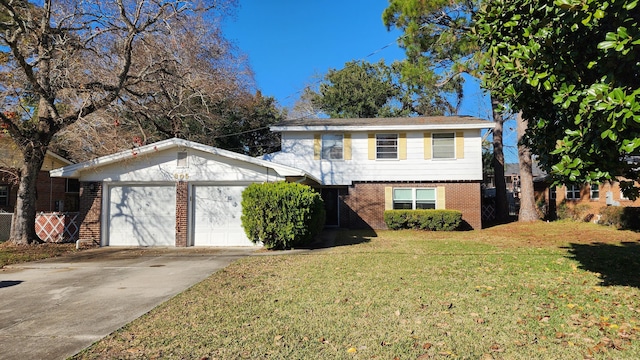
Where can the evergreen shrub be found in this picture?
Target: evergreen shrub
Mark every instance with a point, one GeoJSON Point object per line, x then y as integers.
{"type": "Point", "coordinates": [282, 215]}
{"type": "Point", "coordinates": [434, 220]}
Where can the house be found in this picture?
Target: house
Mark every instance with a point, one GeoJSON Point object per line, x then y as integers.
{"type": "Point", "coordinates": [170, 193]}
{"type": "Point", "coordinates": [367, 166]}
{"type": "Point", "coordinates": [588, 199]}
{"type": "Point", "coordinates": [180, 193]}
{"type": "Point", "coordinates": [53, 194]}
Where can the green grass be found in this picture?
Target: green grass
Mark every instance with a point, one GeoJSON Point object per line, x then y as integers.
{"type": "Point", "coordinates": [510, 292]}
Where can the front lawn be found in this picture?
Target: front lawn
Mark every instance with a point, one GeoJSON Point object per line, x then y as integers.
{"type": "Point", "coordinates": [540, 291]}
{"type": "Point", "coordinates": [13, 254]}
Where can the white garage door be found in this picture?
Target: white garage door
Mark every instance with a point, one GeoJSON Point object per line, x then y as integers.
{"type": "Point", "coordinates": [142, 216]}
{"type": "Point", "coordinates": [216, 216]}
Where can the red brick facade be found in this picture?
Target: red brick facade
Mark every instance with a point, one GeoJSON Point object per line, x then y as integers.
{"type": "Point", "coordinates": [182, 201]}
{"type": "Point", "coordinates": [590, 201]}
{"type": "Point", "coordinates": [51, 194]}
{"type": "Point", "coordinates": [364, 205]}
{"type": "Point", "coordinates": [90, 212]}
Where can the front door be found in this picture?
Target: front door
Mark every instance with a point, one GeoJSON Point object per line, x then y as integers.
{"type": "Point", "coordinates": [331, 205]}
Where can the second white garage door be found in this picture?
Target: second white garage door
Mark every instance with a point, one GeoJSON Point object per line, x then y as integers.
{"type": "Point", "coordinates": [216, 216]}
{"type": "Point", "coordinates": [142, 215]}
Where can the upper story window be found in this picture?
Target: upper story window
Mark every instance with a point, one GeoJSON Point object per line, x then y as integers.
{"type": "Point", "coordinates": [332, 146]}
{"type": "Point", "coordinates": [594, 191]}
{"type": "Point", "coordinates": [444, 146]}
{"type": "Point", "coordinates": [414, 198]}
{"type": "Point", "coordinates": [573, 192]}
{"type": "Point", "coordinates": [386, 146]}
{"type": "Point", "coordinates": [4, 195]}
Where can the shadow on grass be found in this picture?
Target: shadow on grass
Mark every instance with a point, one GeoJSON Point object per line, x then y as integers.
{"type": "Point", "coordinates": [616, 264]}
{"type": "Point", "coordinates": [339, 237]}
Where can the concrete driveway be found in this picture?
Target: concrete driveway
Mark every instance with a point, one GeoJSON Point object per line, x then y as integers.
{"type": "Point", "coordinates": [53, 309]}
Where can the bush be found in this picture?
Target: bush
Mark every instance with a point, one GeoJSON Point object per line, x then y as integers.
{"type": "Point", "coordinates": [630, 218]}
{"type": "Point", "coordinates": [611, 216]}
{"type": "Point", "coordinates": [578, 212]}
{"type": "Point", "coordinates": [435, 220]}
{"type": "Point", "coordinates": [282, 215]}
{"type": "Point", "coordinates": [627, 218]}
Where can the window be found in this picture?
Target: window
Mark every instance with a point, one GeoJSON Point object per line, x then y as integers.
{"type": "Point", "coordinates": [72, 186]}
{"type": "Point", "coordinates": [386, 146]}
{"type": "Point", "coordinates": [573, 192]}
{"type": "Point", "coordinates": [182, 160]}
{"type": "Point", "coordinates": [4, 195]}
{"type": "Point", "coordinates": [594, 193]}
{"type": "Point", "coordinates": [444, 146]}
{"type": "Point", "coordinates": [623, 196]}
{"type": "Point", "coordinates": [332, 147]}
{"type": "Point", "coordinates": [409, 198]}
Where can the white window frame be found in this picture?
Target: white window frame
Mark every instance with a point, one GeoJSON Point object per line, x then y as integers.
{"type": "Point", "coordinates": [437, 144]}
{"type": "Point", "coordinates": [571, 190]}
{"type": "Point", "coordinates": [380, 146]}
{"type": "Point", "coordinates": [415, 202]}
{"type": "Point", "coordinates": [594, 193]}
{"type": "Point", "coordinates": [332, 147]}
{"type": "Point", "coordinates": [622, 196]}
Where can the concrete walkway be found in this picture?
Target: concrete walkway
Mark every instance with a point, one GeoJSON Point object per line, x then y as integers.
{"type": "Point", "coordinates": [55, 308]}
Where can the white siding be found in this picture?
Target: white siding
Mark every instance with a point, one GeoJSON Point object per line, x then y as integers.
{"type": "Point", "coordinates": [162, 167]}
{"type": "Point", "coordinates": [297, 151]}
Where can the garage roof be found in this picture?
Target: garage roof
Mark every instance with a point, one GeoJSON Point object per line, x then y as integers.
{"type": "Point", "coordinates": [74, 171]}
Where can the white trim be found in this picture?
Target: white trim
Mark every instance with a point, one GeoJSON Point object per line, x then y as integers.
{"type": "Point", "coordinates": [461, 126]}
{"type": "Point", "coordinates": [74, 171]}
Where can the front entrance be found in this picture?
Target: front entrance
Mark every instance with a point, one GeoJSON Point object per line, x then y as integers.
{"type": "Point", "coordinates": [331, 205]}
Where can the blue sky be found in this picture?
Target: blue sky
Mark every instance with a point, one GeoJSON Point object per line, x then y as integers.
{"type": "Point", "coordinates": [292, 43]}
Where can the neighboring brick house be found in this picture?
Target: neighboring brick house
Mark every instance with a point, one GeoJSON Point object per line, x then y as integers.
{"type": "Point", "coordinates": [592, 197]}
{"type": "Point", "coordinates": [53, 194]}
{"type": "Point", "coordinates": [366, 166]}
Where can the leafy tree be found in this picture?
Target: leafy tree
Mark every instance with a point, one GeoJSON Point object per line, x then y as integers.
{"type": "Point", "coordinates": [76, 58]}
{"type": "Point", "coordinates": [572, 67]}
{"type": "Point", "coordinates": [438, 39]}
{"type": "Point", "coordinates": [365, 90]}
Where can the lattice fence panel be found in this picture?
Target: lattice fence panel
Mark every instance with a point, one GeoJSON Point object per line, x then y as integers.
{"type": "Point", "coordinates": [488, 212]}
{"type": "Point", "coordinates": [57, 227]}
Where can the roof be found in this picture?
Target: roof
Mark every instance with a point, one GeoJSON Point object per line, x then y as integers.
{"type": "Point", "coordinates": [397, 123]}
{"type": "Point", "coordinates": [74, 171]}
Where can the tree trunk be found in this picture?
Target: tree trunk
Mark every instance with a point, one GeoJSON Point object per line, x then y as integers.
{"type": "Point", "coordinates": [502, 207]}
{"type": "Point", "coordinates": [23, 225]}
{"type": "Point", "coordinates": [528, 211]}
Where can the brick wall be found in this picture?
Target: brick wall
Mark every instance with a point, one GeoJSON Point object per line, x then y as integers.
{"type": "Point", "coordinates": [364, 205]}
{"type": "Point", "coordinates": [182, 202]}
{"type": "Point", "coordinates": [594, 204]}
{"type": "Point", "coordinates": [90, 212]}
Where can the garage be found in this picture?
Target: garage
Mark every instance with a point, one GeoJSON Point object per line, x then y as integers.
{"type": "Point", "coordinates": [170, 193]}
{"type": "Point", "coordinates": [216, 216]}
{"type": "Point", "coordinates": [142, 215]}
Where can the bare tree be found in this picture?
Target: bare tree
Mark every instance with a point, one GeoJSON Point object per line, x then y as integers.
{"type": "Point", "coordinates": [68, 59]}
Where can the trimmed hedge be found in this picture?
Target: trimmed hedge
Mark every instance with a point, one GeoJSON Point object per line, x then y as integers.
{"type": "Point", "coordinates": [627, 218]}
{"type": "Point", "coordinates": [435, 220]}
{"type": "Point", "coordinates": [282, 215]}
